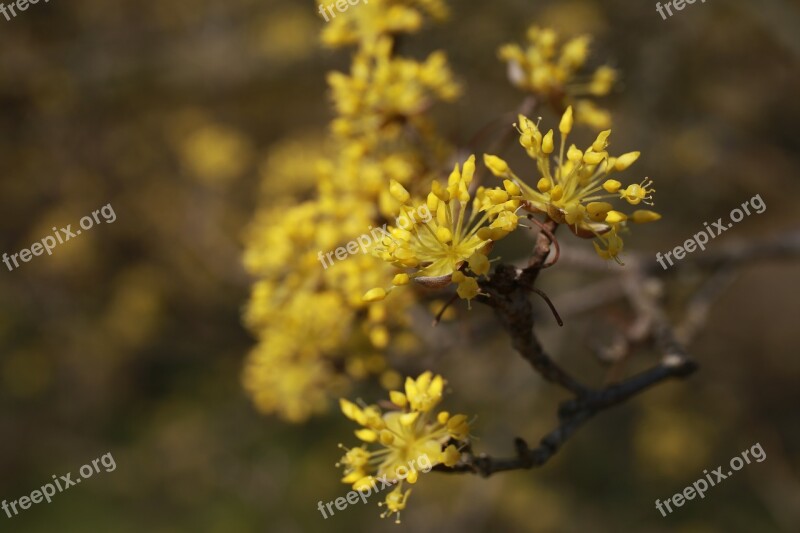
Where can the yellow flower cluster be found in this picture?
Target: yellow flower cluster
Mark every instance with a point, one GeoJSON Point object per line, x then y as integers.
{"type": "Point", "coordinates": [573, 192]}
{"type": "Point", "coordinates": [437, 248]}
{"type": "Point", "coordinates": [382, 89]}
{"type": "Point", "coordinates": [315, 333]}
{"type": "Point", "coordinates": [551, 72]}
{"type": "Point", "coordinates": [381, 17]}
{"type": "Point", "coordinates": [406, 434]}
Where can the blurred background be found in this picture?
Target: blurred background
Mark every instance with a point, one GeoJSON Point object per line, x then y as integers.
{"type": "Point", "coordinates": [128, 339]}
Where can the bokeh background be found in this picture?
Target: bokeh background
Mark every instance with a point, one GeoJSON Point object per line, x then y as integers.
{"type": "Point", "coordinates": [181, 113]}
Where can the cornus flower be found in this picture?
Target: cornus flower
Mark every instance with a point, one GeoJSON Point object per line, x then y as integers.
{"type": "Point", "coordinates": [407, 436]}
{"type": "Point", "coordinates": [315, 332]}
{"type": "Point", "coordinates": [552, 72]}
{"type": "Point", "coordinates": [376, 17]}
{"type": "Point", "coordinates": [573, 185]}
{"type": "Point", "coordinates": [436, 249]}
{"type": "Point", "coordinates": [383, 88]}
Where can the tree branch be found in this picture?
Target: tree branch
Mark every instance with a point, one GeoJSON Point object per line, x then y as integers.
{"type": "Point", "coordinates": [507, 292]}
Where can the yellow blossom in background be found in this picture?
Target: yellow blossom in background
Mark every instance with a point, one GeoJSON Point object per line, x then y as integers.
{"type": "Point", "coordinates": [288, 158]}
{"type": "Point", "coordinates": [283, 37]}
{"type": "Point", "coordinates": [573, 185]}
{"type": "Point", "coordinates": [381, 89]}
{"type": "Point", "coordinates": [315, 333]}
{"type": "Point", "coordinates": [409, 434]}
{"type": "Point", "coordinates": [551, 70]}
{"type": "Point", "coordinates": [366, 21]}
{"type": "Point", "coordinates": [215, 153]}
{"type": "Point", "coordinates": [435, 247]}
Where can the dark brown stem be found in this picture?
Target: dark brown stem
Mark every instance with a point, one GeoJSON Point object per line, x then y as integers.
{"type": "Point", "coordinates": [507, 293]}
{"type": "Point", "coordinates": [553, 241]}
{"type": "Point", "coordinates": [549, 303]}
{"type": "Point", "coordinates": [438, 317]}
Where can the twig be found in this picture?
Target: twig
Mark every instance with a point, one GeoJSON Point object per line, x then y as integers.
{"type": "Point", "coordinates": [506, 293]}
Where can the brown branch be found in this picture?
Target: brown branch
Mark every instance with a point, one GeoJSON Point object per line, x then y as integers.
{"type": "Point", "coordinates": [507, 292]}
{"type": "Point", "coordinates": [511, 302]}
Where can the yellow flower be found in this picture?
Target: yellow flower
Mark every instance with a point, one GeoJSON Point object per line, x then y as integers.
{"type": "Point", "coordinates": [411, 439]}
{"type": "Point", "coordinates": [572, 189]}
{"type": "Point", "coordinates": [364, 21]}
{"type": "Point", "coordinates": [552, 73]}
{"type": "Point", "coordinates": [382, 89]}
{"type": "Point", "coordinates": [395, 502]}
{"type": "Point", "coordinates": [315, 333]}
{"type": "Point", "coordinates": [436, 237]}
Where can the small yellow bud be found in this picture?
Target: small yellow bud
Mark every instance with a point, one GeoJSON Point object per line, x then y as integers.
{"type": "Point", "coordinates": [497, 196]}
{"type": "Point", "coordinates": [557, 193]}
{"type": "Point", "coordinates": [398, 192]}
{"type": "Point", "coordinates": [458, 426]}
{"type": "Point", "coordinates": [507, 221]}
{"type": "Point", "coordinates": [594, 158]}
{"type": "Point", "coordinates": [484, 234]}
{"type": "Point", "coordinates": [527, 140]}
{"type": "Point", "coordinates": [574, 154]}
{"type": "Point", "coordinates": [547, 143]}
{"type": "Point", "coordinates": [440, 192]}
{"type": "Point", "coordinates": [412, 477]}
{"type": "Point", "coordinates": [642, 216]}
{"type": "Point", "coordinates": [544, 184]}
{"type": "Point", "coordinates": [351, 410]}
{"type": "Point", "coordinates": [457, 276]}
{"type": "Point", "coordinates": [386, 437]}
{"type": "Point", "coordinates": [599, 208]}
{"type": "Point", "coordinates": [400, 279]}
{"type": "Point", "coordinates": [496, 166]}
{"type": "Point", "coordinates": [375, 295]}
{"type": "Point", "coordinates": [626, 160]}
{"type": "Point", "coordinates": [398, 398]}
{"type": "Point", "coordinates": [512, 188]}
{"type": "Point", "coordinates": [612, 186]}
{"type": "Point", "coordinates": [444, 235]}
{"type": "Point", "coordinates": [469, 170]}
{"type": "Point", "coordinates": [408, 419]}
{"type": "Point", "coordinates": [432, 202]}
{"type": "Point", "coordinates": [367, 435]}
{"type": "Point", "coordinates": [454, 178]}
{"type": "Point", "coordinates": [615, 217]}
{"type": "Point", "coordinates": [565, 126]}
{"type": "Point", "coordinates": [601, 142]}
{"type": "Point", "coordinates": [442, 417]}
{"type": "Point", "coordinates": [401, 234]}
